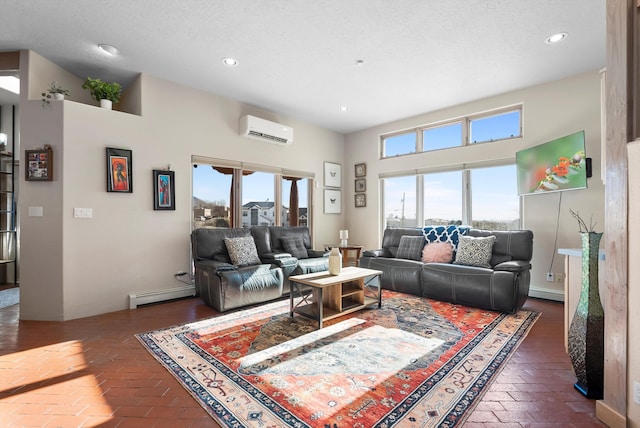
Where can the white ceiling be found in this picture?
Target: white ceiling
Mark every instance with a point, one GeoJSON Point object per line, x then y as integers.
{"type": "Point", "coordinates": [298, 57]}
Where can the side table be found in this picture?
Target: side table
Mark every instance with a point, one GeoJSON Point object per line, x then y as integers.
{"type": "Point", "coordinates": [350, 253]}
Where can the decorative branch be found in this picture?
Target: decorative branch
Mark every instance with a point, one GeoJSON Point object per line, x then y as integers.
{"type": "Point", "coordinates": [582, 225]}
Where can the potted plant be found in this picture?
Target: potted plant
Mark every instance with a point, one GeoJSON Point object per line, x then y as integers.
{"type": "Point", "coordinates": [56, 92]}
{"type": "Point", "coordinates": [105, 93]}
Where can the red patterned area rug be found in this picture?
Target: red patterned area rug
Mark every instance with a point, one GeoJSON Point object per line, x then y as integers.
{"type": "Point", "coordinates": [414, 362]}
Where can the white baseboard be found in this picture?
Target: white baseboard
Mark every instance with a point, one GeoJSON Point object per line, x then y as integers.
{"type": "Point", "coordinates": [155, 296]}
{"type": "Point", "coordinates": [546, 293]}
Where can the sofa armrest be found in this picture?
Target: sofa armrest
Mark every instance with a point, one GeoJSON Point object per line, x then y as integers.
{"type": "Point", "coordinates": [272, 257]}
{"type": "Point", "coordinates": [213, 265]}
{"type": "Point", "coordinates": [513, 266]}
{"type": "Point", "coordinates": [317, 253]}
{"type": "Point", "coordinates": [381, 252]}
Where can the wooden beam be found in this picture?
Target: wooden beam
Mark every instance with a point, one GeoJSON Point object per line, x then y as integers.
{"type": "Point", "coordinates": [619, 96]}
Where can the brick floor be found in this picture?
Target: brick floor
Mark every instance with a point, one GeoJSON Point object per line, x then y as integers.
{"type": "Point", "coordinates": [93, 372]}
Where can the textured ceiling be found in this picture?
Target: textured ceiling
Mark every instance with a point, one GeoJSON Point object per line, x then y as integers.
{"type": "Point", "coordinates": [298, 57]}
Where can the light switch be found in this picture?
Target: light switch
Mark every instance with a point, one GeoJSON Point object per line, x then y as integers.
{"type": "Point", "coordinates": [36, 211]}
{"type": "Point", "coordinates": [83, 213]}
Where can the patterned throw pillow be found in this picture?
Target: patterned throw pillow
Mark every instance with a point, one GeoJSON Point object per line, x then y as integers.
{"type": "Point", "coordinates": [474, 251]}
{"type": "Point", "coordinates": [410, 247]}
{"type": "Point", "coordinates": [448, 233]}
{"type": "Point", "coordinates": [242, 251]}
{"type": "Point", "coordinates": [437, 252]}
{"type": "Point", "coordinates": [294, 245]}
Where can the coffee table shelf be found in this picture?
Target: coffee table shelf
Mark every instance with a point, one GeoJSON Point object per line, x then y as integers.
{"type": "Point", "coordinates": [330, 296]}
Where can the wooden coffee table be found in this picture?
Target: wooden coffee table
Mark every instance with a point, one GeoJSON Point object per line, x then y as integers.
{"type": "Point", "coordinates": [329, 296]}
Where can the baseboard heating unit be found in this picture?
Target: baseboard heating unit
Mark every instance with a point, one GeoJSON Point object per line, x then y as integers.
{"type": "Point", "coordinates": [146, 297]}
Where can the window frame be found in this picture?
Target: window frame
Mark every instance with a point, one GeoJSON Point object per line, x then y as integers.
{"type": "Point", "coordinates": [238, 168]}
{"type": "Point", "coordinates": [466, 130]}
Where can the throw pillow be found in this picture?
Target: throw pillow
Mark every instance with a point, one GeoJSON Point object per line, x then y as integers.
{"type": "Point", "coordinates": [294, 245]}
{"type": "Point", "coordinates": [448, 233]}
{"type": "Point", "coordinates": [242, 251]}
{"type": "Point", "coordinates": [437, 252]}
{"type": "Point", "coordinates": [410, 247]}
{"type": "Point", "coordinates": [474, 251]}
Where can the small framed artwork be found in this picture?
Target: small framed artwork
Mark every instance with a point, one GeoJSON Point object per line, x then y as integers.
{"type": "Point", "coordinates": [361, 185]}
{"type": "Point", "coordinates": [332, 201]}
{"type": "Point", "coordinates": [361, 169]}
{"type": "Point", "coordinates": [39, 165]}
{"type": "Point", "coordinates": [163, 190]}
{"type": "Point", "coordinates": [332, 174]}
{"type": "Point", "coordinates": [361, 200]}
{"type": "Point", "coordinates": [119, 177]}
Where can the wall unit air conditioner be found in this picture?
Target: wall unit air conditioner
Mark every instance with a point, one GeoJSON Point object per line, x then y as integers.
{"type": "Point", "coordinates": [265, 130]}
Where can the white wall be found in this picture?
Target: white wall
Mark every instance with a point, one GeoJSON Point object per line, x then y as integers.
{"type": "Point", "coordinates": [550, 111]}
{"type": "Point", "coordinates": [75, 268]}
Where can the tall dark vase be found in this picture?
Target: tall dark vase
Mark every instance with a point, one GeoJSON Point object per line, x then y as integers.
{"type": "Point", "coordinates": [586, 332]}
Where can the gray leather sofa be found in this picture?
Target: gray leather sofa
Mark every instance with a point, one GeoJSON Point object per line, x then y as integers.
{"type": "Point", "coordinates": [224, 286]}
{"type": "Point", "coordinates": [504, 286]}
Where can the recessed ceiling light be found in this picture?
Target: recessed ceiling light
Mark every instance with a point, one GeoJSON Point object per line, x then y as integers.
{"type": "Point", "coordinates": [108, 49]}
{"type": "Point", "coordinates": [344, 108]}
{"type": "Point", "coordinates": [231, 62]}
{"type": "Point", "coordinates": [555, 38]}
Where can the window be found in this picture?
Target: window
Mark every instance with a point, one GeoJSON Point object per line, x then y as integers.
{"type": "Point", "coordinates": [295, 192]}
{"type": "Point", "coordinates": [494, 195]}
{"type": "Point", "coordinates": [399, 144]}
{"type": "Point", "coordinates": [233, 194]}
{"type": "Point", "coordinates": [211, 196]}
{"type": "Point", "coordinates": [442, 137]}
{"type": "Point", "coordinates": [489, 200]}
{"type": "Point", "coordinates": [442, 198]}
{"type": "Point", "coordinates": [400, 202]}
{"type": "Point", "coordinates": [496, 127]}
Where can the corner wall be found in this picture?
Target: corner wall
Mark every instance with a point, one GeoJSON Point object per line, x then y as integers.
{"type": "Point", "coordinates": [550, 111]}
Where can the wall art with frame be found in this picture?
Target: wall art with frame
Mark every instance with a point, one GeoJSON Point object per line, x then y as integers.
{"type": "Point", "coordinates": [119, 175]}
{"type": "Point", "coordinates": [332, 201]}
{"type": "Point", "coordinates": [332, 174]}
{"type": "Point", "coordinates": [163, 190]}
{"type": "Point", "coordinates": [39, 165]}
{"type": "Point", "coordinates": [361, 169]}
{"type": "Point", "coordinates": [360, 200]}
{"type": "Point", "coordinates": [361, 184]}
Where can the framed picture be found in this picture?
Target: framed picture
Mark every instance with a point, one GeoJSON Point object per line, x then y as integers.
{"type": "Point", "coordinates": [332, 175]}
{"type": "Point", "coordinates": [332, 201]}
{"type": "Point", "coordinates": [361, 185]}
{"type": "Point", "coordinates": [119, 177]}
{"type": "Point", "coordinates": [39, 165]}
{"type": "Point", "coordinates": [361, 200]}
{"type": "Point", "coordinates": [361, 169]}
{"type": "Point", "coordinates": [163, 190]}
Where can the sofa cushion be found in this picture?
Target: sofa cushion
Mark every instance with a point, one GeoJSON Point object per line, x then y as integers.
{"type": "Point", "coordinates": [437, 252]}
{"type": "Point", "coordinates": [474, 251]}
{"type": "Point", "coordinates": [294, 245]}
{"type": "Point", "coordinates": [448, 233]}
{"type": "Point", "coordinates": [242, 251]}
{"type": "Point", "coordinates": [410, 247]}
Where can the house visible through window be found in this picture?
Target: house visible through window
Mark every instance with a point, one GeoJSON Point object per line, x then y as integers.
{"type": "Point", "coordinates": [223, 188]}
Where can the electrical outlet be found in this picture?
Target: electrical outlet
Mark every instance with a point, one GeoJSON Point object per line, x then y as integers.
{"type": "Point", "coordinates": [550, 277]}
{"type": "Point", "coordinates": [636, 392]}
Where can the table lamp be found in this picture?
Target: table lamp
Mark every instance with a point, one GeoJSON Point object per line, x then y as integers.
{"type": "Point", "coordinates": [344, 235]}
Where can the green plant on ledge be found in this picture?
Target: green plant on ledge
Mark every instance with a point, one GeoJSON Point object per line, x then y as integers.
{"type": "Point", "coordinates": [50, 93]}
{"type": "Point", "coordinates": [100, 90]}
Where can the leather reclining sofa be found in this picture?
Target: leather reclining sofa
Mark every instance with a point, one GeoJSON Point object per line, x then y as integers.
{"type": "Point", "coordinates": [502, 284]}
{"type": "Point", "coordinates": [282, 252]}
